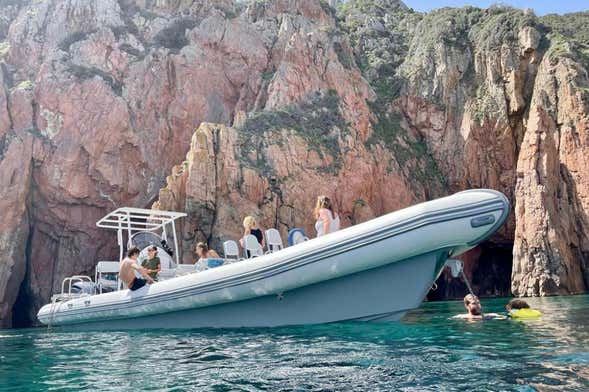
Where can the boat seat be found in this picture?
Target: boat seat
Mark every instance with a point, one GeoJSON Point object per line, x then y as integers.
{"type": "Point", "coordinates": [296, 236]}
{"type": "Point", "coordinates": [144, 239]}
{"type": "Point", "coordinates": [252, 247]}
{"type": "Point", "coordinates": [166, 274]}
{"type": "Point", "coordinates": [212, 262]}
{"type": "Point", "coordinates": [273, 240]}
{"type": "Point", "coordinates": [185, 269]}
{"type": "Point", "coordinates": [107, 268]}
{"type": "Point", "coordinates": [231, 251]}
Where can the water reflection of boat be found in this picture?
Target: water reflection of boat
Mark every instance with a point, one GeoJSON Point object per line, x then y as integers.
{"type": "Point", "coordinates": [374, 271]}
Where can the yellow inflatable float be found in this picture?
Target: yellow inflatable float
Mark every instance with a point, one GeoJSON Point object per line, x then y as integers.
{"type": "Point", "coordinates": [525, 313]}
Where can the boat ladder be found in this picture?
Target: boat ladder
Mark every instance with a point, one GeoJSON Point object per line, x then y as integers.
{"type": "Point", "coordinates": [52, 313]}
{"type": "Point", "coordinates": [65, 295]}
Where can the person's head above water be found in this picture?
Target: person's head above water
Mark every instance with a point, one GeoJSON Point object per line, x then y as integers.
{"type": "Point", "coordinates": [517, 304]}
{"type": "Point", "coordinates": [519, 309]}
{"type": "Point", "coordinates": [474, 311]}
{"type": "Point", "coordinates": [473, 305]}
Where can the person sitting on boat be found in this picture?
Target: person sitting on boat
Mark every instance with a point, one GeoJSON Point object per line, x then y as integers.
{"type": "Point", "coordinates": [327, 219]}
{"type": "Point", "coordinates": [251, 227]}
{"type": "Point", "coordinates": [203, 252]}
{"type": "Point", "coordinates": [519, 309]}
{"type": "Point", "coordinates": [474, 310]}
{"type": "Point", "coordinates": [152, 264]}
{"type": "Point", "coordinates": [126, 268]}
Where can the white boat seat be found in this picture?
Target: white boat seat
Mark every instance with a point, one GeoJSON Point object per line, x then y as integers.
{"type": "Point", "coordinates": [231, 250]}
{"type": "Point", "coordinates": [296, 236]}
{"type": "Point", "coordinates": [252, 247]}
{"type": "Point", "coordinates": [273, 240]}
{"type": "Point", "coordinates": [166, 274]}
{"type": "Point", "coordinates": [107, 268]}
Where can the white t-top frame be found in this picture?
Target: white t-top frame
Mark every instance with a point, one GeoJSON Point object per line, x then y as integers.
{"type": "Point", "coordinates": [134, 220]}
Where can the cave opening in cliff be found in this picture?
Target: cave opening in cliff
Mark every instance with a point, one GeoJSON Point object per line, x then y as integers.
{"type": "Point", "coordinates": [488, 267]}
{"type": "Point", "coordinates": [21, 315]}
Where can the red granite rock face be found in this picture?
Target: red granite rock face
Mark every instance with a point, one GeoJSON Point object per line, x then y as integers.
{"type": "Point", "coordinates": [15, 185]}
{"type": "Point", "coordinates": [110, 107]}
{"type": "Point", "coordinates": [552, 192]}
{"type": "Point", "coordinates": [218, 187]}
{"type": "Point", "coordinates": [112, 94]}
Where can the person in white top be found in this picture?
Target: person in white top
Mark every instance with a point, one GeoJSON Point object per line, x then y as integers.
{"type": "Point", "coordinates": [327, 219]}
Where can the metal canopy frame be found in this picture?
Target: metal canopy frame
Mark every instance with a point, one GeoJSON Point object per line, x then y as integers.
{"type": "Point", "coordinates": [134, 220]}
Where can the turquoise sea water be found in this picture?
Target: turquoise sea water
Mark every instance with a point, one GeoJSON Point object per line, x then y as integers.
{"type": "Point", "coordinates": [425, 351]}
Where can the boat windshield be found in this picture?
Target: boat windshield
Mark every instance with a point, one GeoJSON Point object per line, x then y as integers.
{"type": "Point", "coordinates": [144, 239]}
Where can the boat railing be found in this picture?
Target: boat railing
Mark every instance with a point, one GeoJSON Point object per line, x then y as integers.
{"type": "Point", "coordinates": [66, 288]}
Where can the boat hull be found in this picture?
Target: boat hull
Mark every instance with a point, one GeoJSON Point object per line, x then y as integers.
{"type": "Point", "coordinates": [376, 271]}
{"type": "Point", "coordinates": [381, 294]}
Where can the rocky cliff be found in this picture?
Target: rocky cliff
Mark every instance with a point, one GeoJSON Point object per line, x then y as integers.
{"type": "Point", "coordinates": [273, 102]}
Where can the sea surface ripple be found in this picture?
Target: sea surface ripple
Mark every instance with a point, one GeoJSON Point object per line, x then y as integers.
{"type": "Point", "coordinates": [424, 352]}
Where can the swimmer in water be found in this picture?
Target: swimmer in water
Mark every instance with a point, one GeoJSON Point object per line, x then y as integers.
{"type": "Point", "coordinates": [474, 310]}
{"type": "Point", "coordinates": [519, 309]}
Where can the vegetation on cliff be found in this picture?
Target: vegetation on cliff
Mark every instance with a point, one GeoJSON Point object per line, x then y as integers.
{"type": "Point", "coordinates": [569, 36]}
{"type": "Point", "coordinates": [318, 121]}
{"type": "Point", "coordinates": [380, 32]}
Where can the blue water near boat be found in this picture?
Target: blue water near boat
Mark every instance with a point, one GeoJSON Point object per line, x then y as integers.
{"type": "Point", "coordinates": [425, 351]}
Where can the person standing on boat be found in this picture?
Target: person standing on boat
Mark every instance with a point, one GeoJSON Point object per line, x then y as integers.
{"type": "Point", "coordinates": [152, 264]}
{"type": "Point", "coordinates": [327, 219]}
{"type": "Point", "coordinates": [126, 268]}
{"type": "Point", "coordinates": [251, 227]}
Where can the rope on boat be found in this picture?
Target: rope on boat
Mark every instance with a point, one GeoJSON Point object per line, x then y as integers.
{"type": "Point", "coordinates": [456, 269]}
{"type": "Point", "coordinates": [467, 282]}
{"type": "Point", "coordinates": [52, 313]}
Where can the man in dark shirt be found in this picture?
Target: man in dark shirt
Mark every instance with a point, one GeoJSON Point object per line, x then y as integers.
{"type": "Point", "coordinates": [152, 264]}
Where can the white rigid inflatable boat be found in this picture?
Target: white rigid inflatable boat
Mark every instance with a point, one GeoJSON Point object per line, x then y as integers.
{"type": "Point", "coordinates": [373, 271]}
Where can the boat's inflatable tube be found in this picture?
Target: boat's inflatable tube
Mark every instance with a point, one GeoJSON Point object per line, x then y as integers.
{"type": "Point", "coordinates": [447, 226]}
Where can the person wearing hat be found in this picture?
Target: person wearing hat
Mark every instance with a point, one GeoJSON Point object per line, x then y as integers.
{"type": "Point", "coordinates": [152, 264]}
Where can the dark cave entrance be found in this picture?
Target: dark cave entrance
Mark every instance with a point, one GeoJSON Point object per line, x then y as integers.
{"type": "Point", "coordinates": [490, 265]}
{"type": "Point", "coordinates": [21, 316]}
